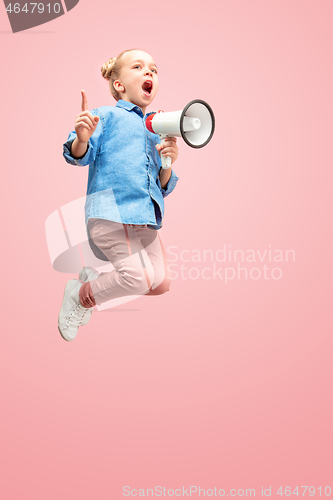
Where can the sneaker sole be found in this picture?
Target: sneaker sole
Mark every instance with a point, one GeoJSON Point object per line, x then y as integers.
{"type": "Point", "coordinates": [69, 284]}
{"type": "Point", "coordinates": [68, 340]}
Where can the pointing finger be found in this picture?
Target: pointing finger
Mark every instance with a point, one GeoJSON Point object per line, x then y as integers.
{"type": "Point", "coordinates": [84, 103]}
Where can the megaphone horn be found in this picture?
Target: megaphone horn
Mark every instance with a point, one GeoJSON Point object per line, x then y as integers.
{"type": "Point", "coordinates": [195, 124]}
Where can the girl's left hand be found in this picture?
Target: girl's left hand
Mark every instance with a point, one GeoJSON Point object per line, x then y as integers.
{"type": "Point", "coordinates": [168, 148]}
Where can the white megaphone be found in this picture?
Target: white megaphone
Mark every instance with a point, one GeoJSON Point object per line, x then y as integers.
{"type": "Point", "coordinates": [195, 124]}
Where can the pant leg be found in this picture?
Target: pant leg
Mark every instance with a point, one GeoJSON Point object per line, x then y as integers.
{"type": "Point", "coordinates": [133, 273]}
{"type": "Point", "coordinates": [151, 241]}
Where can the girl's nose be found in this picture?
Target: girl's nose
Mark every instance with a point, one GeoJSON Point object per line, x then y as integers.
{"type": "Point", "coordinates": [149, 72]}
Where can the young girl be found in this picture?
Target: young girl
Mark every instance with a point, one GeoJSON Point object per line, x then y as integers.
{"type": "Point", "coordinates": [125, 195]}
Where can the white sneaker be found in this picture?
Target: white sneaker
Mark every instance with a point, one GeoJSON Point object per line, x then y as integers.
{"type": "Point", "coordinates": [72, 313]}
{"type": "Point", "coordinates": [88, 273]}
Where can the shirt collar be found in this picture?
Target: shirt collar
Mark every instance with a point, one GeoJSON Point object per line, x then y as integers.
{"type": "Point", "coordinates": [131, 107]}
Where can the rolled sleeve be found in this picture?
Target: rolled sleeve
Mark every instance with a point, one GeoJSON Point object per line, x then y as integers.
{"type": "Point", "coordinates": [171, 184]}
{"type": "Point", "coordinates": [92, 148]}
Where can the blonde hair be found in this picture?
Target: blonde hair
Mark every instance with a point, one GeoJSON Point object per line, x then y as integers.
{"type": "Point", "coordinates": [111, 71]}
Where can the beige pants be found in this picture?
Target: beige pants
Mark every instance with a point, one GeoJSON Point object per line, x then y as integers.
{"type": "Point", "coordinates": [138, 257]}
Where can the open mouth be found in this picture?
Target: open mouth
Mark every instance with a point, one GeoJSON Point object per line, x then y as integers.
{"type": "Point", "coordinates": [147, 87]}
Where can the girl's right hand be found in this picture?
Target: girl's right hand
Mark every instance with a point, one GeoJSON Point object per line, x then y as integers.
{"type": "Point", "coordinates": [85, 122]}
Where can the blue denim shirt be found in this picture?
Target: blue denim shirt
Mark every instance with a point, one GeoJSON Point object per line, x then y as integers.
{"type": "Point", "coordinates": [124, 166]}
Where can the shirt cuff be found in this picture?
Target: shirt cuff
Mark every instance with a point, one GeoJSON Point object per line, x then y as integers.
{"type": "Point", "coordinates": [171, 184]}
{"type": "Point", "coordinates": [82, 160]}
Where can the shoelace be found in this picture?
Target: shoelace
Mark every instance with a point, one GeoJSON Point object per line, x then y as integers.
{"type": "Point", "coordinates": [77, 315]}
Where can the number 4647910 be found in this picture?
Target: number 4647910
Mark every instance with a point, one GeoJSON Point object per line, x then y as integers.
{"type": "Point", "coordinates": [40, 8]}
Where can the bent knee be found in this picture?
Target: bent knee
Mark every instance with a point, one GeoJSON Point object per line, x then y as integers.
{"type": "Point", "coordinates": [139, 280]}
{"type": "Point", "coordinates": [161, 288]}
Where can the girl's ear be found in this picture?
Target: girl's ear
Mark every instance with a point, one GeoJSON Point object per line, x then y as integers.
{"type": "Point", "coordinates": [118, 86]}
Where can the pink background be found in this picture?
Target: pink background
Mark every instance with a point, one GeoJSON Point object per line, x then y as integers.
{"type": "Point", "coordinates": [211, 384]}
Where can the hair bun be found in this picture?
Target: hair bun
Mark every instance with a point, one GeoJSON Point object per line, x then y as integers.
{"type": "Point", "coordinates": [107, 68]}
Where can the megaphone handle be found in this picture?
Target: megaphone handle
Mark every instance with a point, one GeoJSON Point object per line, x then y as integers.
{"type": "Point", "coordinates": [166, 160]}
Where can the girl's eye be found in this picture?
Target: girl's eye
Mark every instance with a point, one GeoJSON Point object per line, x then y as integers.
{"type": "Point", "coordinates": [137, 66]}
{"type": "Point", "coordinates": [154, 70]}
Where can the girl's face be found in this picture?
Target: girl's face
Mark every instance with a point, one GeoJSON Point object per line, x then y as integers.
{"type": "Point", "coordinates": [138, 82]}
